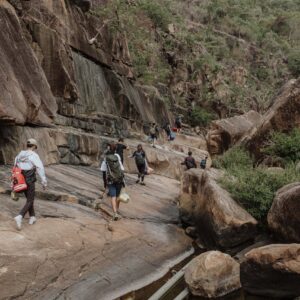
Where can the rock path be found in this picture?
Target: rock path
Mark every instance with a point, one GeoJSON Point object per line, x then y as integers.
{"type": "Point", "coordinates": [74, 252]}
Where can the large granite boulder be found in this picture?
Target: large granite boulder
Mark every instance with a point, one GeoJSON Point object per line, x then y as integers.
{"type": "Point", "coordinates": [219, 219]}
{"type": "Point", "coordinates": [284, 215]}
{"type": "Point", "coordinates": [283, 115]}
{"type": "Point", "coordinates": [225, 133]}
{"type": "Point", "coordinates": [272, 271]}
{"type": "Point", "coordinates": [213, 274]}
{"type": "Point", "coordinates": [25, 93]}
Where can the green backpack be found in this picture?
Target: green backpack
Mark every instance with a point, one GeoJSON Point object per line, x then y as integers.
{"type": "Point", "coordinates": [114, 171]}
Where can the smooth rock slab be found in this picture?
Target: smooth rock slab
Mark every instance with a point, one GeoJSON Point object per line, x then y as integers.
{"type": "Point", "coordinates": [213, 274]}
{"type": "Point", "coordinates": [73, 252]}
{"type": "Point", "coordinates": [284, 215]}
{"type": "Point", "coordinates": [272, 271]}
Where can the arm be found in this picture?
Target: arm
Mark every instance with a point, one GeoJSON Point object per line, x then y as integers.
{"type": "Point", "coordinates": [183, 163]}
{"type": "Point", "coordinates": [104, 179]}
{"type": "Point", "coordinates": [120, 162]}
{"type": "Point", "coordinates": [36, 161]}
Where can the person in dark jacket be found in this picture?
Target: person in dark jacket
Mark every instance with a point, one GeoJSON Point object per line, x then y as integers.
{"type": "Point", "coordinates": [120, 147]}
{"type": "Point", "coordinates": [140, 159]}
{"type": "Point", "coordinates": [189, 161]}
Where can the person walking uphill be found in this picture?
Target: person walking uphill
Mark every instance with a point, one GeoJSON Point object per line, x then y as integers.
{"type": "Point", "coordinates": [189, 161]}
{"type": "Point", "coordinates": [120, 149]}
{"type": "Point", "coordinates": [141, 164]}
{"type": "Point", "coordinates": [30, 163]}
{"type": "Point", "coordinates": [113, 177]}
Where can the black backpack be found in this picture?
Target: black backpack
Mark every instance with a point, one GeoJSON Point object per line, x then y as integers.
{"type": "Point", "coordinates": [190, 163]}
{"type": "Point", "coordinates": [203, 164]}
{"type": "Point", "coordinates": [139, 159]}
{"type": "Point", "coordinates": [114, 171]}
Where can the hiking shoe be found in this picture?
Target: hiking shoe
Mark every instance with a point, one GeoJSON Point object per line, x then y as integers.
{"type": "Point", "coordinates": [18, 220]}
{"type": "Point", "coordinates": [143, 183]}
{"type": "Point", "coordinates": [32, 220]}
{"type": "Point", "coordinates": [116, 217]}
{"type": "Point", "coordinates": [138, 181]}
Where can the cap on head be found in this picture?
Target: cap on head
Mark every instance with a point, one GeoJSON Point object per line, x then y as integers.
{"type": "Point", "coordinates": [32, 142]}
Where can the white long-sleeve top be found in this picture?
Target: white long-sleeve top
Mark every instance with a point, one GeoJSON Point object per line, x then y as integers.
{"type": "Point", "coordinates": [27, 160]}
{"type": "Point", "coordinates": [103, 167]}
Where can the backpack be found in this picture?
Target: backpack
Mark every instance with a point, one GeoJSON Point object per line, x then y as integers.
{"type": "Point", "coordinates": [114, 171]}
{"type": "Point", "coordinates": [189, 162]}
{"type": "Point", "coordinates": [172, 136]}
{"type": "Point", "coordinates": [139, 159]}
{"type": "Point", "coordinates": [153, 130]}
{"type": "Point", "coordinates": [203, 164]}
{"type": "Point", "coordinates": [18, 181]}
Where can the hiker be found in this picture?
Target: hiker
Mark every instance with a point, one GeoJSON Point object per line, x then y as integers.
{"type": "Point", "coordinates": [168, 131]}
{"type": "Point", "coordinates": [189, 161]}
{"type": "Point", "coordinates": [30, 163]}
{"type": "Point", "coordinates": [203, 162]}
{"type": "Point", "coordinates": [154, 131]}
{"type": "Point", "coordinates": [113, 178]}
{"type": "Point", "coordinates": [178, 123]}
{"type": "Point", "coordinates": [141, 163]}
{"type": "Point", "coordinates": [120, 149]}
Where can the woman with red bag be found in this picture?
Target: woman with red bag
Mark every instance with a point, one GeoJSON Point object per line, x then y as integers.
{"type": "Point", "coordinates": [30, 163]}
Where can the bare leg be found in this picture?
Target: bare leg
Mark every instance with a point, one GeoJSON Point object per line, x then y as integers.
{"type": "Point", "coordinates": [114, 204]}
{"type": "Point", "coordinates": [118, 204]}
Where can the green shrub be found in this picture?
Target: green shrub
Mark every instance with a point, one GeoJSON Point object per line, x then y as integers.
{"type": "Point", "coordinates": [253, 188]}
{"type": "Point", "coordinates": [235, 157]}
{"type": "Point", "coordinates": [200, 117]}
{"type": "Point", "coordinates": [286, 146]}
{"type": "Point", "coordinates": [159, 14]}
{"type": "Point", "coordinates": [294, 62]}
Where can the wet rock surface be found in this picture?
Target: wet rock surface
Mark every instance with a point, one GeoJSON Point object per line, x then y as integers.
{"type": "Point", "coordinates": [74, 252]}
{"type": "Point", "coordinates": [272, 271]}
{"type": "Point", "coordinates": [213, 274]}
{"type": "Point", "coordinates": [220, 221]}
{"type": "Point", "coordinates": [284, 215]}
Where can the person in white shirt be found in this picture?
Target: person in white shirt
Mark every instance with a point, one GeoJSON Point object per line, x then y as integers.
{"type": "Point", "coordinates": [30, 163]}
{"type": "Point", "coordinates": [113, 177]}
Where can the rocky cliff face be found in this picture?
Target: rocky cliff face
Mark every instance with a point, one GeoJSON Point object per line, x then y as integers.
{"type": "Point", "coordinates": [53, 76]}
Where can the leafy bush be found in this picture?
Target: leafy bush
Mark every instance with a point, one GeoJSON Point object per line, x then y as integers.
{"type": "Point", "coordinates": [294, 62]}
{"type": "Point", "coordinates": [200, 117]}
{"type": "Point", "coordinates": [253, 188]}
{"type": "Point", "coordinates": [159, 14]}
{"type": "Point", "coordinates": [286, 146]}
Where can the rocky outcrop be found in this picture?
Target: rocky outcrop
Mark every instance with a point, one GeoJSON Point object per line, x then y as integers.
{"type": "Point", "coordinates": [25, 93]}
{"type": "Point", "coordinates": [272, 271]}
{"type": "Point", "coordinates": [51, 73]}
{"type": "Point", "coordinates": [219, 219]}
{"type": "Point", "coordinates": [283, 115]}
{"type": "Point", "coordinates": [225, 133]}
{"type": "Point", "coordinates": [284, 215]}
{"type": "Point", "coordinates": [213, 274]}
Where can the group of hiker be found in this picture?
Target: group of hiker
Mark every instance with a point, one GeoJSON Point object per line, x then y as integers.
{"type": "Point", "coordinates": [170, 132]}
{"type": "Point", "coordinates": [28, 163]}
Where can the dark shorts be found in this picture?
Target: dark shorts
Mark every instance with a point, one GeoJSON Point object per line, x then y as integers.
{"type": "Point", "coordinates": [114, 189]}
{"type": "Point", "coordinates": [153, 136]}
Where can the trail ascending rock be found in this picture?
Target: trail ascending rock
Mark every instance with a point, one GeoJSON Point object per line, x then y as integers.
{"type": "Point", "coordinates": [74, 252]}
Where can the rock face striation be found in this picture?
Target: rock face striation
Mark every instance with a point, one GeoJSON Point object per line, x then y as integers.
{"type": "Point", "coordinates": [220, 221]}
{"type": "Point", "coordinates": [52, 75]}
{"type": "Point", "coordinates": [213, 274]}
{"type": "Point", "coordinates": [272, 271]}
{"type": "Point", "coordinates": [284, 215]}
